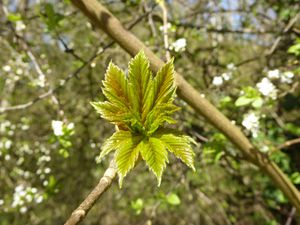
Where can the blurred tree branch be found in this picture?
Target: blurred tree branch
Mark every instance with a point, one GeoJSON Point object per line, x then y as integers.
{"type": "Point", "coordinates": [101, 17]}
{"type": "Point", "coordinates": [165, 28]}
{"type": "Point", "coordinates": [289, 143]}
{"type": "Point", "coordinates": [98, 52]}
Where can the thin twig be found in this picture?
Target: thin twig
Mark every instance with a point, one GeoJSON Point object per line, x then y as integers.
{"type": "Point", "coordinates": [222, 30]}
{"type": "Point", "coordinates": [289, 143]}
{"type": "Point", "coordinates": [270, 51]}
{"type": "Point", "coordinates": [285, 30]}
{"type": "Point", "coordinates": [150, 21]}
{"type": "Point", "coordinates": [75, 73]}
{"type": "Point", "coordinates": [290, 216]}
{"type": "Point", "coordinates": [165, 28]}
{"type": "Point", "coordinates": [41, 75]}
{"type": "Point", "coordinates": [104, 183]}
{"type": "Point", "coordinates": [68, 49]}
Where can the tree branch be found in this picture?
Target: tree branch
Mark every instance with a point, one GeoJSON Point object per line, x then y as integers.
{"type": "Point", "coordinates": [75, 73]}
{"type": "Point", "coordinates": [103, 19]}
{"type": "Point", "coordinates": [165, 28]}
{"type": "Point", "coordinates": [104, 183]}
{"type": "Point", "coordinates": [288, 27]}
{"type": "Point", "coordinates": [289, 143]}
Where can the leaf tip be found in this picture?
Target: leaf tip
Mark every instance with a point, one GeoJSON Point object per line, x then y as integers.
{"type": "Point", "coordinates": [193, 168]}
{"type": "Point", "coordinates": [158, 181]}
{"type": "Point", "coordinates": [98, 159]}
{"type": "Point", "coordinates": [121, 178]}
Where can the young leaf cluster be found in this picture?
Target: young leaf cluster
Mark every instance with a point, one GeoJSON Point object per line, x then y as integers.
{"type": "Point", "coordinates": [139, 105]}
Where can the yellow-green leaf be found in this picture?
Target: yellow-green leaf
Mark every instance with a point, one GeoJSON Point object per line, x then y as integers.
{"type": "Point", "coordinates": [126, 155]}
{"type": "Point", "coordinates": [178, 144]}
{"type": "Point", "coordinates": [140, 105]}
{"type": "Point", "coordinates": [155, 155]}
{"type": "Point", "coordinates": [139, 76]}
{"type": "Point", "coordinates": [115, 86]}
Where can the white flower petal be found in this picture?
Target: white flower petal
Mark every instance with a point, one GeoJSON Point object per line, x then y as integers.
{"type": "Point", "coordinates": [267, 88]}
{"type": "Point", "coordinates": [179, 45]}
{"type": "Point", "coordinates": [273, 74]}
{"type": "Point", "coordinates": [217, 81]}
{"type": "Point", "coordinates": [57, 127]}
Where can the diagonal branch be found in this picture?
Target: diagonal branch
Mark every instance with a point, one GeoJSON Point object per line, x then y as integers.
{"type": "Point", "coordinates": [104, 183]}
{"type": "Point", "coordinates": [103, 19]}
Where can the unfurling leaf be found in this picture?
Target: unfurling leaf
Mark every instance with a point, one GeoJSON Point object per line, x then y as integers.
{"type": "Point", "coordinates": [139, 105]}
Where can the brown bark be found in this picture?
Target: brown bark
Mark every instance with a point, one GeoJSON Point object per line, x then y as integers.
{"type": "Point", "coordinates": [103, 19]}
{"type": "Point", "coordinates": [104, 183]}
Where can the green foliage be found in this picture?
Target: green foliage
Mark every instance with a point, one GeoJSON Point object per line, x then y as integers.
{"type": "Point", "coordinates": [63, 138]}
{"type": "Point", "coordinates": [295, 177]}
{"type": "Point", "coordinates": [214, 149]}
{"type": "Point", "coordinates": [227, 191]}
{"type": "Point", "coordinates": [139, 105]}
{"type": "Point", "coordinates": [173, 199]}
{"type": "Point", "coordinates": [294, 129]}
{"type": "Point", "coordinates": [295, 49]}
{"type": "Point", "coordinates": [50, 17]}
{"type": "Point", "coordinates": [137, 205]}
{"type": "Point", "coordinates": [14, 17]}
{"type": "Point", "coordinates": [250, 96]}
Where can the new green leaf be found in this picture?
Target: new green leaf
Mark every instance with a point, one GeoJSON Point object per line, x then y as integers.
{"type": "Point", "coordinates": [140, 106]}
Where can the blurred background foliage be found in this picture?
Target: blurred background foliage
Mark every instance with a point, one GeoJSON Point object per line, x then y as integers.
{"type": "Point", "coordinates": [241, 55]}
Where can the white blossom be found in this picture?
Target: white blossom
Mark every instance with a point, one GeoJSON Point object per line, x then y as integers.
{"type": "Point", "coordinates": [287, 77]}
{"type": "Point", "coordinates": [231, 66]}
{"type": "Point", "coordinates": [47, 170]}
{"type": "Point", "coordinates": [24, 127]}
{"type": "Point", "coordinates": [7, 144]}
{"type": "Point", "coordinates": [251, 123]}
{"type": "Point", "coordinates": [57, 127]}
{"type": "Point", "coordinates": [1, 202]}
{"type": "Point", "coordinates": [179, 45]}
{"type": "Point", "coordinates": [93, 65]}
{"type": "Point", "coordinates": [24, 195]}
{"type": "Point", "coordinates": [168, 26]}
{"type": "Point", "coordinates": [264, 149]}
{"type": "Point", "coordinates": [62, 82]}
{"type": "Point", "coordinates": [93, 145]}
{"type": "Point", "coordinates": [18, 195]}
{"type": "Point", "coordinates": [273, 74]}
{"type": "Point", "coordinates": [28, 198]}
{"type": "Point", "coordinates": [34, 190]}
{"type": "Point", "coordinates": [226, 76]}
{"type": "Point", "coordinates": [70, 126]}
{"type": "Point", "coordinates": [6, 68]}
{"type": "Point", "coordinates": [23, 209]}
{"type": "Point", "coordinates": [20, 26]}
{"type": "Point", "coordinates": [39, 199]}
{"type": "Point", "coordinates": [7, 157]}
{"type": "Point", "coordinates": [217, 81]}
{"type": "Point", "coordinates": [19, 71]}
{"type": "Point", "coordinates": [40, 81]}
{"type": "Point", "coordinates": [19, 188]}
{"type": "Point", "coordinates": [267, 88]}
